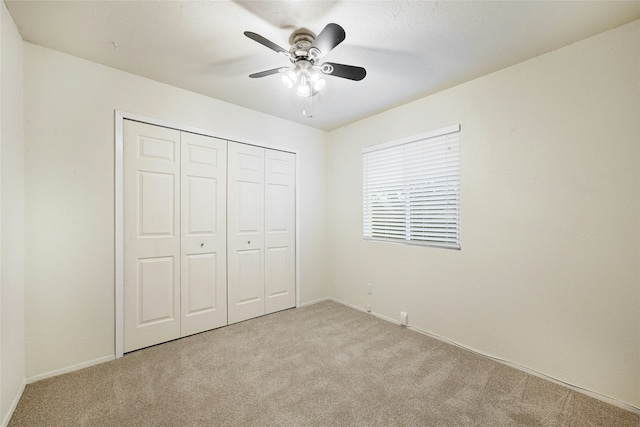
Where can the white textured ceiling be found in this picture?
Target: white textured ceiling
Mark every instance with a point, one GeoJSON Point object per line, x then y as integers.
{"type": "Point", "coordinates": [410, 48]}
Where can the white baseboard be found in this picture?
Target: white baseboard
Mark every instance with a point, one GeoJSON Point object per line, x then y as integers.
{"type": "Point", "coordinates": [70, 368]}
{"type": "Point", "coordinates": [316, 301]}
{"type": "Point", "coordinates": [14, 404]}
{"type": "Point", "coordinates": [607, 399]}
{"type": "Point", "coordinates": [355, 307]}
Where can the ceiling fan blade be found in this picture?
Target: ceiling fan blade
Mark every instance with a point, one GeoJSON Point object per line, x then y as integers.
{"type": "Point", "coordinates": [265, 73]}
{"type": "Point", "coordinates": [330, 36]}
{"type": "Point", "coordinates": [345, 71]}
{"type": "Point", "coordinates": [268, 43]}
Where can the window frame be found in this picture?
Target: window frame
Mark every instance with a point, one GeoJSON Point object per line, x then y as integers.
{"type": "Point", "coordinates": [397, 177]}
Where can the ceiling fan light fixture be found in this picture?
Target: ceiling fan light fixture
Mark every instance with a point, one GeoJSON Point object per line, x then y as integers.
{"type": "Point", "coordinates": [303, 76]}
{"type": "Point", "coordinates": [289, 79]}
{"type": "Point", "coordinates": [303, 90]}
{"type": "Point", "coordinates": [317, 81]}
{"type": "Point", "coordinates": [309, 83]}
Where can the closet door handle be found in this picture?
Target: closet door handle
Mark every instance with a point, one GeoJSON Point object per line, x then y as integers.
{"type": "Point", "coordinates": [249, 242]}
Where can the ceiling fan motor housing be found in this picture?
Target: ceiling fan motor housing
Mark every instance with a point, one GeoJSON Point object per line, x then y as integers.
{"type": "Point", "coordinates": [300, 47]}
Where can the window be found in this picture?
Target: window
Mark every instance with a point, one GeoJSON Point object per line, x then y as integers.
{"type": "Point", "coordinates": [411, 190]}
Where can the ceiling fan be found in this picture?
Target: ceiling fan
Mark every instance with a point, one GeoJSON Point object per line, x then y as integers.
{"type": "Point", "coordinates": [305, 52]}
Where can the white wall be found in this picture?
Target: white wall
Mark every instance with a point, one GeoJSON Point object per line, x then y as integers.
{"type": "Point", "coordinates": [69, 108]}
{"type": "Point", "coordinates": [12, 347]}
{"type": "Point", "coordinates": [548, 275]}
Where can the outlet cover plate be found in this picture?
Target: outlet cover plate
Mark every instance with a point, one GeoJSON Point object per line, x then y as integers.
{"type": "Point", "coordinates": [403, 318]}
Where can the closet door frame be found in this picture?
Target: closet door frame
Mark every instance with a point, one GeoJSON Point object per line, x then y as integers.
{"type": "Point", "coordinates": [120, 117]}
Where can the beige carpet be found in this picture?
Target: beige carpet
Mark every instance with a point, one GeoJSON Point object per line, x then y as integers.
{"type": "Point", "coordinates": [322, 365]}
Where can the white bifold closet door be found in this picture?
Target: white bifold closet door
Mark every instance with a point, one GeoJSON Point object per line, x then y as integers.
{"type": "Point", "coordinates": [204, 234]}
{"type": "Point", "coordinates": [260, 231]}
{"type": "Point", "coordinates": [174, 234]}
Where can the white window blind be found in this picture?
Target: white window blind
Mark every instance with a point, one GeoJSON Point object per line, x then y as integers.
{"type": "Point", "coordinates": [411, 190]}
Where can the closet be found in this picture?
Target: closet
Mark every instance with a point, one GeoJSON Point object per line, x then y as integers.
{"type": "Point", "coordinates": [261, 231]}
{"type": "Point", "coordinates": [209, 233]}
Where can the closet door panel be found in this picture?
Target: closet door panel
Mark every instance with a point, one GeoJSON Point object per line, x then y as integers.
{"type": "Point", "coordinates": [249, 281]}
{"type": "Point", "coordinates": [155, 289]}
{"type": "Point", "coordinates": [204, 246]}
{"type": "Point", "coordinates": [151, 235]}
{"type": "Point", "coordinates": [276, 275]}
{"type": "Point", "coordinates": [245, 232]}
{"type": "Point", "coordinates": [280, 253]}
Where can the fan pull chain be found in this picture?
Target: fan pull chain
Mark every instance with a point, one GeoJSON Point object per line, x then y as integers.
{"type": "Point", "coordinates": [304, 107]}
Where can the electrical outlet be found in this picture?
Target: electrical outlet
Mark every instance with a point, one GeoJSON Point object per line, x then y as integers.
{"type": "Point", "coordinates": [403, 318]}
{"type": "Point", "coordinates": [369, 288]}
